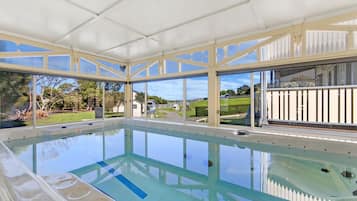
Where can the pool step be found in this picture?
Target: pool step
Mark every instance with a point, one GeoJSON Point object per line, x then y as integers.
{"type": "Point", "coordinates": [73, 188]}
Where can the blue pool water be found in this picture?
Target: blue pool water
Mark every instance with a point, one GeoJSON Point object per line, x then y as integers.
{"type": "Point", "coordinates": [134, 164]}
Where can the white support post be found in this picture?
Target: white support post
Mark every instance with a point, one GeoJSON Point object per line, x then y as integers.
{"type": "Point", "coordinates": [45, 62]}
{"type": "Point", "coordinates": [350, 40]}
{"type": "Point", "coordinates": [213, 89]}
{"type": "Point", "coordinates": [263, 99]}
{"type": "Point", "coordinates": [78, 63]}
{"type": "Point", "coordinates": [184, 102]}
{"type": "Point", "coordinates": [146, 100]}
{"type": "Point", "coordinates": [34, 103]}
{"type": "Point", "coordinates": [128, 100]}
{"type": "Point", "coordinates": [303, 42]}
{"type": "Point", "coordinates": [164, 66]}
{"type": "Point", "coordinates": [103, 99]}
{"type": "Point", "coordinates": [252, 108]}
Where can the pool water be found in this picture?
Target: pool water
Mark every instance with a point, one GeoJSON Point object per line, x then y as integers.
{"type": "Point", "coordinates": [133, 164]}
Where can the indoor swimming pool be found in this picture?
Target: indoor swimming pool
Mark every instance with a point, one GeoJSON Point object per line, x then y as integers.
{"type": "Point", "coordinates": [136, 163]}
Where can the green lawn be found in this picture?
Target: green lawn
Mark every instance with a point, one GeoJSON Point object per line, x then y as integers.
{"type": "Point", "coordinates": [224, 102]}
{"type": "Point", "coordinates": [59, 118]}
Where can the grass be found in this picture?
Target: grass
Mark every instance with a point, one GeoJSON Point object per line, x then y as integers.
{"type": "Point", "coordinates": [227, 101]}
{"type": "Point", "coordinates": [58, 118]}
{"type": "Point", "coordinates": [113, 114]}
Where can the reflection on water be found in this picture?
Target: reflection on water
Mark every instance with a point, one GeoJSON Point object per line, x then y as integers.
{"type": "Point", "coordinates": [168, 166]}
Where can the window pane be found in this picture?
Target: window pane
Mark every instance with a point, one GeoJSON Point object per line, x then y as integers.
{"type": "Point", "coordinates": [64, 100]}
{"type": "Point", "coordinates": [15, 100]}
{"type": "Point", "coordinates": [165, 100]}
{"type": "Point", "coordinates": [235, 99]}
{"type": "Point", "coordinates": [138, 104]}
{"type": "Point", "coordinates": [324, 93]}
{"type": "Point", "coordinates": [114, 99]}
{"type": "Point", "coordinates": [197, 103]}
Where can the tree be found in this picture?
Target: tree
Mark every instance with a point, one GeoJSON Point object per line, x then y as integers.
{"type": "Point", "coordinates": [158, 100]}
{"type": "Point", "coordinates": [14, 92]}
{"type": "Point", "coordinates": [140, 97]}
{"type": "Point", "coordinates": [49, 95]}
{"type": "Point", "coordinates": [113, 96]}
{"type": "Point", "coordinates": [90, 93]}
{"type": "Point", "coordinates": [231, 92]}
{"type": "Point", "coordinates": [243, 90]}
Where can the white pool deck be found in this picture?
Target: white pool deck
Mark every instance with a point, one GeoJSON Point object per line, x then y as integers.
{"type": "Point", "coordinates": [316, 139]}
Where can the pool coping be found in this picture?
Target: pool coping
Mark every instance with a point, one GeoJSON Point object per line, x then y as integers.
{"type": "Point", "coordinates": [337, 141]}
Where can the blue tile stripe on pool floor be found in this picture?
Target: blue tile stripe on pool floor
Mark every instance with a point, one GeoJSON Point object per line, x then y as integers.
{"type": "Point", "coordinates": [135, 189]}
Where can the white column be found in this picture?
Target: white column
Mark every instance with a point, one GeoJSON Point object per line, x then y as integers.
{"type": "Point", "coordinates": [263, 99]}
{"type": "Point", "coordinates": [213, 90]}
{"type": "Point", "coordinates": [252, 109]}
{"type": "Point", "coordinates": [34, 103]}
{"type": "Point", "coordinates": [103, 99]}
{"type": "Point", "coordinates": [146, 100]}
{"type": "Point", "coordinates": [184, 83]}
{"type": "Point", "coordinates": [128, 100]}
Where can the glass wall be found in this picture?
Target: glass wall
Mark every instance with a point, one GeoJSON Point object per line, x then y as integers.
{"type": "Point", "coordinates": [15, 99]}
{"type": "Point", "coordinates": [64, 100]}
{"type": "Point", "coordinates": [197, 99]}
{"type": "Point", "coordinates": [165, 100]}
{"type": "Point", "coordinates": [114, 99]}
{"type": "Point", "coordinates": [139, 99]}
{"type": "Point", "coordinates": [320, 94]}
{"type": "Point", "coordinates": [235, 99]}
{"type": "Point", "coordinates": [172, 100]}
{"type": "Point", "coordinates": [317, 75]}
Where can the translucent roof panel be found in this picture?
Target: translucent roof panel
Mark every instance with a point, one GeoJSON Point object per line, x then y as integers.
{"type": "Point", "coordinates": [130, 29]}
{"type": "Point", "coordinates": [155, 15]}
{"type": "Point", "coordinates": [99, 36]}
{"type": "Point", "coordinates": [41, 19]}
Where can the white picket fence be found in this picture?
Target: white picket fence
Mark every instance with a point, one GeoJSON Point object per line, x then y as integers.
{"type": "Point", "coordinates": [336, 105]}
{"type": "Point", "coordinates": [278, 190]}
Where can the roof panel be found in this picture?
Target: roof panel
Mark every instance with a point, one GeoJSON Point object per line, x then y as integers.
{"type": "Point", "coordinates": [41, 19]}
{"type": "Point", "coordinates": [234, 21]}
{"type": "Point", "coordinates": [136, 49]}
{"type": "Point", "coordinates": [151, 16]}
{"type": "Point", "coordinates": [96, 6]}
{"type": "Point", "coordinates": [166, 24]}
{"type": "Point", "coordinates": [100, 35]}
{"type": "Point", "coordinates": [278, 12]}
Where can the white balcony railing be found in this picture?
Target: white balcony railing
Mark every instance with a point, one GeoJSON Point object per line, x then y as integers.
{"type": "Point", "coordinates": [332, 105]}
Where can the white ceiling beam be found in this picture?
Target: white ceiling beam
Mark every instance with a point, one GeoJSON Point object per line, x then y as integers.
{"type": "Point", "coordinates": [96, 16]}
{"type": "Point", "coordinates": [181, 24]}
